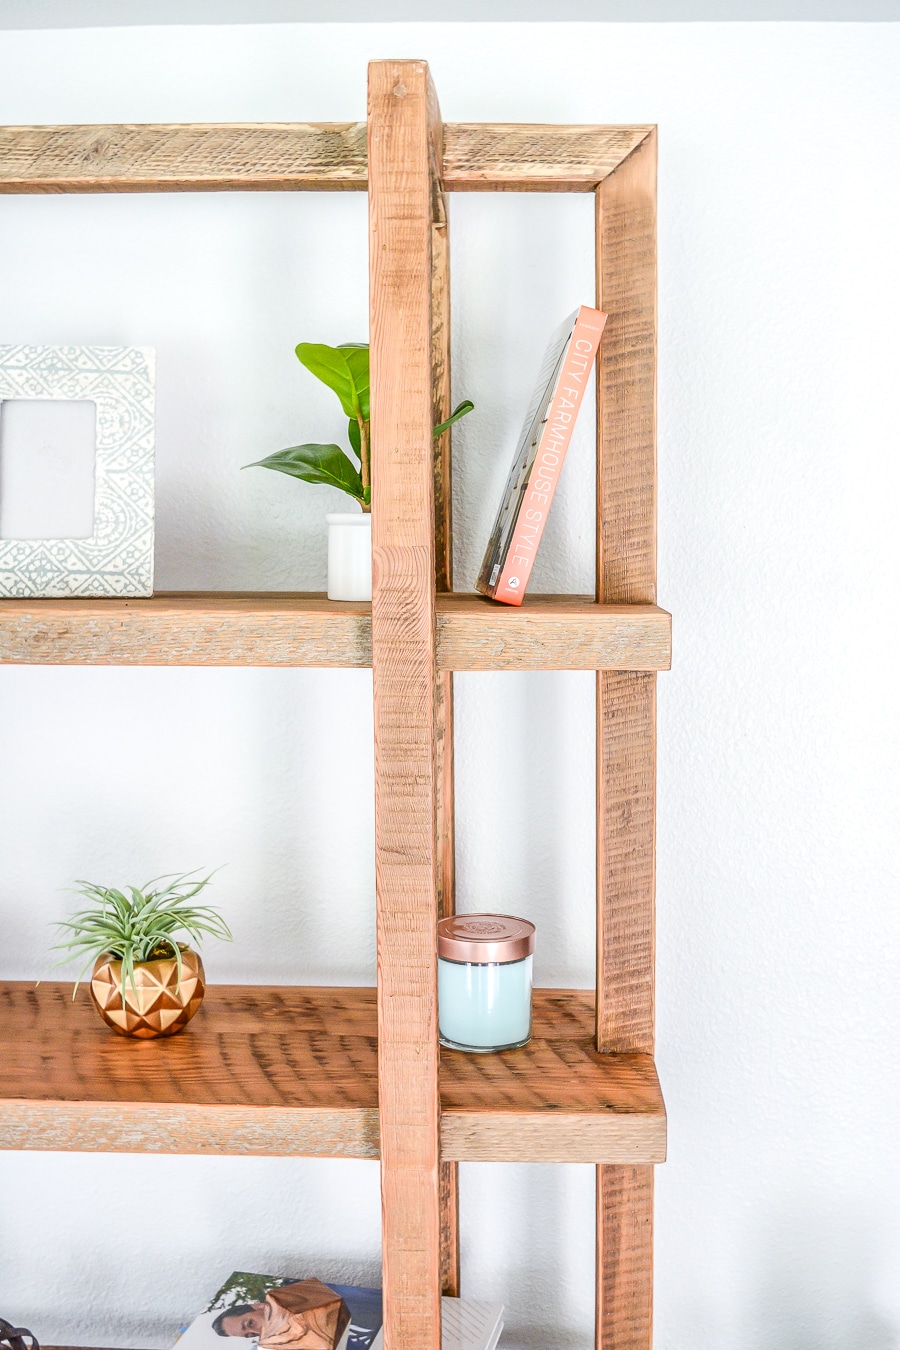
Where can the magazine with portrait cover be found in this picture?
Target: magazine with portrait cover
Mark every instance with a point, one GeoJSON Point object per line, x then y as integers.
{"type": "Point", "coordinates": [277, 1311]}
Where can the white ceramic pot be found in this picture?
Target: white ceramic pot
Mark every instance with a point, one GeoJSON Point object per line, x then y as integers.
{"type": "Point", "coordinates": [349, 555]}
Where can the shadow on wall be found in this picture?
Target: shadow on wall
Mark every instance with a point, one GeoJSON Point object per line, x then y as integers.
{"type": "Point", "coordinates": [313, 834]}
{"type": "Point", "coordinates": [820, 1274]}
{"type": "Point", "coordinates": [505, 1254]}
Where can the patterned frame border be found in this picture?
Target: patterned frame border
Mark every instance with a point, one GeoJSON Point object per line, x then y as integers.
{"type": "Point", "coordinates": [118, 558]}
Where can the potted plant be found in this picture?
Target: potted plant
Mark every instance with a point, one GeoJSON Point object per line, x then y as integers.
{"type": "Point", "coordinates": [146, 981]}
{"type": "Point", "coordinates": [345, 369]}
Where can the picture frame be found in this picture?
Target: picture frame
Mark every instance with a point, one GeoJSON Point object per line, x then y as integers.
{"type": "Point", "coordinates": [117, 559]}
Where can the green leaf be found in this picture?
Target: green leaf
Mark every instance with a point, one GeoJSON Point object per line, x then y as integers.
{"type": "Point", "coordinates": [356, 355]}
{"type": "Point", "coordinates": [465, 407]}
{"type": "Point", "coordinates": [355, 440]}
{"type": "Point", "coordinates": [344, 369]}
{"type": "Point", "coordinates": [316, 464]}
{"type": "Point", "coordinates": [130, 928]}
{"type": "Point", "coordinates": [329, 365]}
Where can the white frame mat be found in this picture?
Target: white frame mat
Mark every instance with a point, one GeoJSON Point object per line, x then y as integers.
{"type": "Point", "coordinates": [118, 557]}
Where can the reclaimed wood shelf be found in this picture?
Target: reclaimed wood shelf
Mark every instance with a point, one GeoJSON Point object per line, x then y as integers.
{"type": "Point", "coordinates": [294, 1072]}
{"type": "Point", "coordinates": [300, 156]}
{"type": "Point", "coordinates": [349, 1072]}
{"type": "Point", "coordinates": [241, 629]}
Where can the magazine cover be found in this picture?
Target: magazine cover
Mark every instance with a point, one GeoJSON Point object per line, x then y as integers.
{"type": "Point", "coordinates": [278, 1312]}
{"type": "Point", "coordinates": [275, 1310]}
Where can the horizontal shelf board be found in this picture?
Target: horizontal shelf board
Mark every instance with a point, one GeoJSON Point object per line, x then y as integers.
{"type": "Point", "coordinates": [293, 1072]}
{"type": "Point", "coordinates": [517, 157]}
{"type": "Point", "coordinates": [551, 632]}
{"type": "Point", "coordinates": [189, 629]}
{"type": "Point", "coordinates": [259, 1071]}
{"type": "Point", "coordinates": [221, 629]}
{"type": "Point", "coordinates": [555, 1099]}
{"type": "Point", "coordinates": [184, 157]}
{"type": "Point", "coordinates": [289, 156]}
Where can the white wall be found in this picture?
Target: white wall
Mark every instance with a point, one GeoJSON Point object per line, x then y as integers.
{"type": "Point", "coordinates": [779, 929]}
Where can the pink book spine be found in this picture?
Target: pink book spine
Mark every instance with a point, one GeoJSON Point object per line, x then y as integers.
{"type": "Point", "coordinates": [567, 400]}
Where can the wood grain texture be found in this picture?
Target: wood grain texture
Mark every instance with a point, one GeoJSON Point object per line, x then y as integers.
{"type": "Point", "coordinates": [402, 127]}
{"type": "Point", "coordinates": [220, 629]}
{"type": "Point", "coordinates": [443, 691]}
{"type": "Point", "coordinates": [191, 629]}
{"type": "Point", "coordinates": [244, 1131]}
{"type": "Point", "coordinates": [195, 157]}
{"type": "Point", "coordinates": [626, 743]}
{"type": "Point", "coordinates": [551, 633]}
{"type": "Point", "coordinates": [449, 1190]}
{"type": "Point", "coordinates": [440, 395]}
{"type": "Point", "coordinates": [626, 553]}
{"type": "Point", "coordinates": [626, 389]}
{"type": "Point", "coordinates": [581, 1104]}
{"type": "Point", "coordinates": [626, 716]}
{"type": "Point", "coordinates": [625, 1257]}
{"type": "Point", "coordinates": [258, 1071]}
{"type": "Point", "coordinates": [293, 1072]}
{"type": "Point", "coordinates": [443, 775]}
{"type": "Point", "coordinates": [295, 156]}
{"type": "Point", "coordinates": [443, 548]}
{"type": "Point", "coordinates": [516, 157]}
{"type": "Point", "coordinates": [576, 1137]}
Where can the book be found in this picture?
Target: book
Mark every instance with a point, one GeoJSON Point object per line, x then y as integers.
{"type": "Point", "coordinates": [276, 1312]}
{"type": "Point", "coordinates": [555, 404]}
{"type": "Point", "coordinates": [467, 1325]}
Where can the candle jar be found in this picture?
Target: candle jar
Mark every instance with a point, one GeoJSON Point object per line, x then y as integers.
{"type": "Point", "coordinates": [484, 981]}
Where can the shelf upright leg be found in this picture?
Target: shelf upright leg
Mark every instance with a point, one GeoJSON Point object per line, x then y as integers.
{"type": "Point", "coordinates": [626, 716]}
{"type": "Point", "coordinates": [443, 562]}
{"type": "Point", "coordinates": [403, 150]}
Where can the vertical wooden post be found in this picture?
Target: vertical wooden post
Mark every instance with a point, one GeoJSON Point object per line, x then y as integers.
{"type": "Point", "coordinates": [440, 386]}
{"type": "Point", "coordinates": [626, 716]}
{"type": "Point", "coordinates": [443, 714]}
{"type": "Point", "coordinates": [403, 119]}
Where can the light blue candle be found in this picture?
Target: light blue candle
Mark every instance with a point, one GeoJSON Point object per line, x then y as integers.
{"type": "Point", "coordinates": [484, 981]}
{"type": "Point", "coordinates": [485, 1007]}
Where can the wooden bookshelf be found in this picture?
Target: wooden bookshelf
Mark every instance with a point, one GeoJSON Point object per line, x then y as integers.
{"type": "Point", "coordinates": [351, 1072]}
{"type": "Point", "coordinates": [294, 1072]}
{"type": "Point", "coordinates": [240, 629]}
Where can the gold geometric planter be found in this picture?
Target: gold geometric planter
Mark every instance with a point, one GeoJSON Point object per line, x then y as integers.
{"type": "Point", "coordinates": [161, 1006]}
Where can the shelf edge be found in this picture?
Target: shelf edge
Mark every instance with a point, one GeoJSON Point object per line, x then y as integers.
{"type": "Point", "coordinates": [588, 1137]}
{"type": "Point", "coordinates": [558, 633]}
{"type": "Point", "coordinates": [137, 1127]}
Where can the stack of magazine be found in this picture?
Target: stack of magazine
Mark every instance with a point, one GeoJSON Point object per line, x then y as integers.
{"type": "Point", "coordinates": [277, 1312]}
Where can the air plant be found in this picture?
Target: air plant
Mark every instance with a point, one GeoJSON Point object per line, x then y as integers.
{"type": "Point", "coordinates": [138, 924]}
{"type": "Point", "coordinates": [345, 369]}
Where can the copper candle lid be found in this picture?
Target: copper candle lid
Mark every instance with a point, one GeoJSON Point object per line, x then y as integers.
{"type": "Point", "coordinates": [480, 939]}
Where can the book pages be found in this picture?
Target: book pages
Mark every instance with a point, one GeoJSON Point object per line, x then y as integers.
{"type": "Point", "coordinates": [466, 1325]}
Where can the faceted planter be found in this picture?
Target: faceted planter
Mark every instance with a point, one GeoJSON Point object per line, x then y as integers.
{"type": "Point", "coordinates": [160, 1006]}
